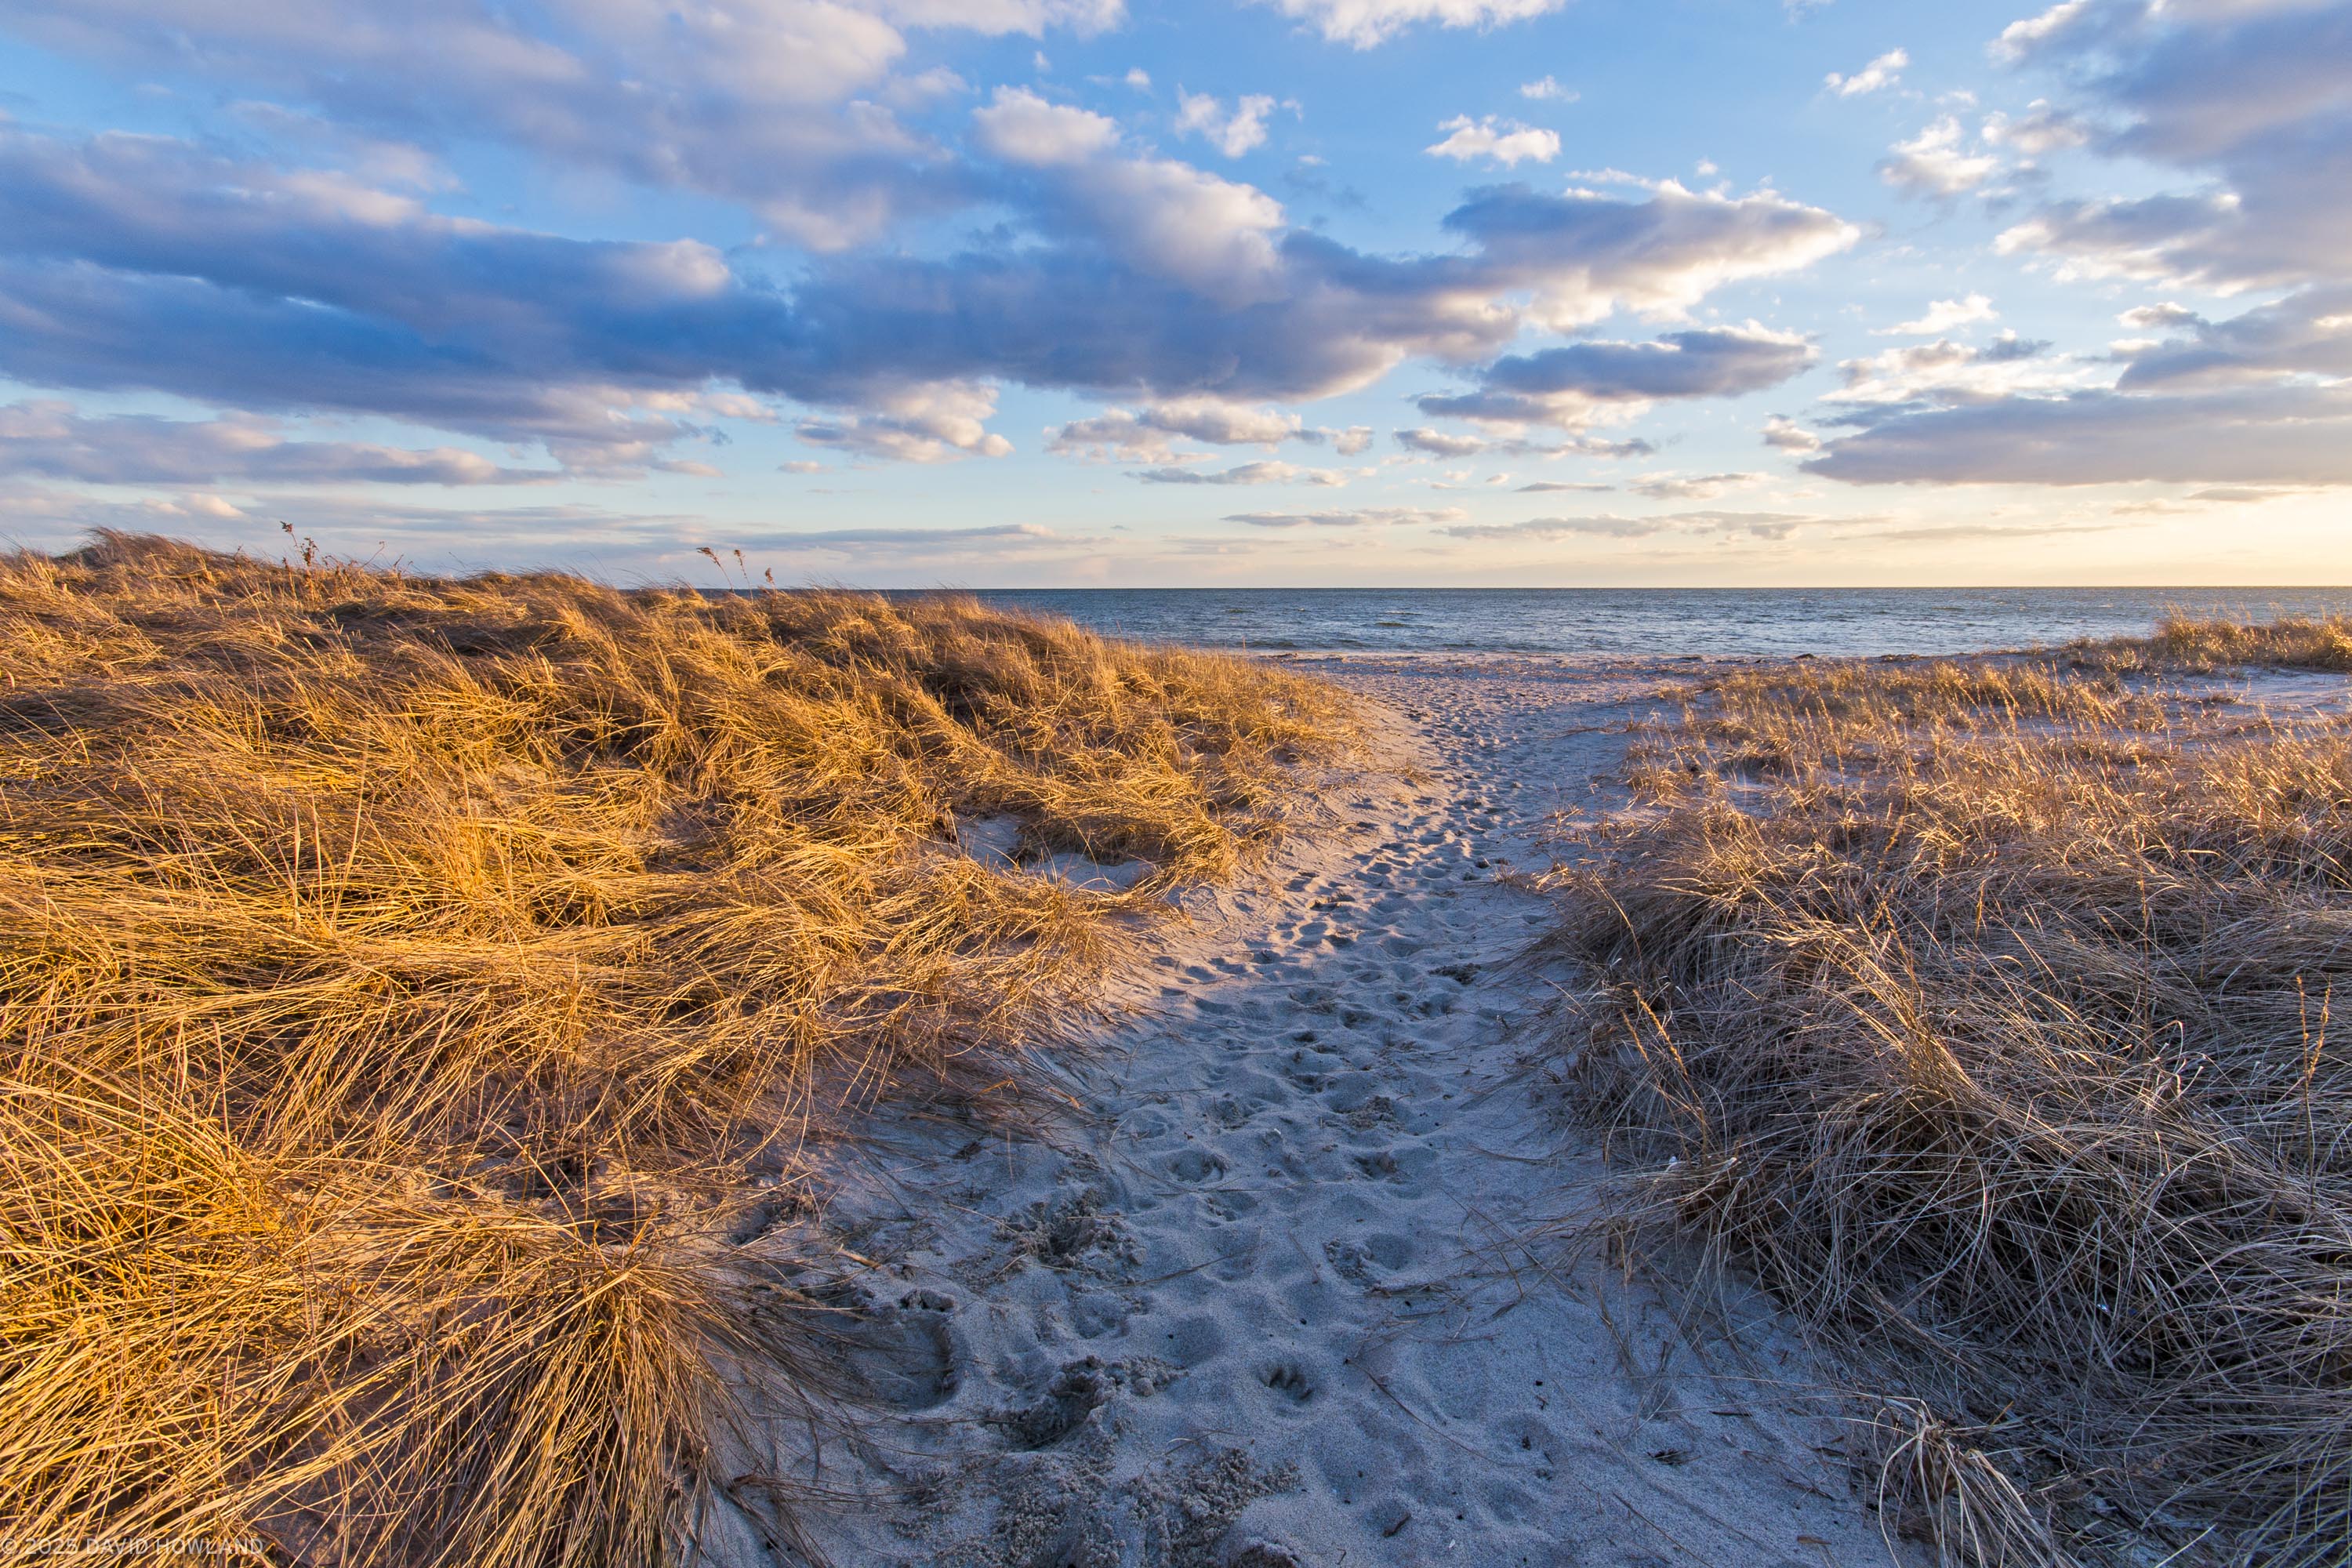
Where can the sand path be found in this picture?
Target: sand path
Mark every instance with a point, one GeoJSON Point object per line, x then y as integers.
{"type": "Point", "coordinates": [1267, 1297]}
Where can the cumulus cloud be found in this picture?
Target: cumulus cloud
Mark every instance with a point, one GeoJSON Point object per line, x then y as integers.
{"type": "Point", "coordinates": [1022, 128]}
{"type": "Point", "coordinates": [1936, 163]}
{"type": "Point", "coordinates": [1887, 70]}
{"type": "Point", "coordinates": [1365, 517]}
{"type": "Point", "coordinates": [152, 264]}
{"type": "Point", "coordinates": [1949, 373]}
{"type": "Point", "coordinates": [1546, 89]}
{"type": "Point", "coordinates": [2252, 102]}
{"type": "Point", "coordinates": [1264, 473]}
{"type": "Point", "coordinates": [1586, 255]}
{"type": "Point", "coordinates": [1571, 385]}
{"type": "Point", "coordinates": [1497, 142]}
{"type": "Point", "coordinates": [775, 105]}
{"type": "Point", "coordinates": [1940, 317]}
{"type": "Point", "coordinates": [2041, 128]}
{"type": "Point", "coordinates": [1353, 440]}
{"type": "Point", "coordinates": [1786, 435]}
{"type": "Point", "coordinates": [1231, 132]}
{"type": "Point", "coordinates": [936, 424]}
{"type": "Point", "coordinates": [1365, 23]}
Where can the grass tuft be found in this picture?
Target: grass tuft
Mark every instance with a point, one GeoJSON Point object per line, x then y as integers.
{"type": "Point", "coordinates": [426, 1004]}
{"type": "Point", "coordinates": [1985, 1007]}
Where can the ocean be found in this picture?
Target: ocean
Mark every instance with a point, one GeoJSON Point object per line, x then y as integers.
{"type": "Point", "coordinates": [1756, 622]}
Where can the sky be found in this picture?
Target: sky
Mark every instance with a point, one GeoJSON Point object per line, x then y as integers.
{"type": "Point", "coordinates": [1129, 293]}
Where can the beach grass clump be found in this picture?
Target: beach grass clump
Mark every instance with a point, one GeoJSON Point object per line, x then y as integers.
{"type": "Point", "coordinates": [1990, 1028]}
{"type": "Point", "coordinates": [2185, 643]}
{"type": "Point", "coordinates": [426, 1006]}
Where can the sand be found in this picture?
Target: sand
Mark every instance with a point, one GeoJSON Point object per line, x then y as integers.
{"type": "Point", "coordinates": [1281, 1284]}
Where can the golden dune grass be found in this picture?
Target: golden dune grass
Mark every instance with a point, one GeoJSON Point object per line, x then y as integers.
{"type": "Point", "coordinates": [1985, 1008]}
{"type": "Point", "coordinates": [408, 986]}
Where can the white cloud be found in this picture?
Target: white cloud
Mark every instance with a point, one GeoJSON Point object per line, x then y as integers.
{"type": "Point", "coordinates": [1145, 435]}
{"type": "Point", "coordinates": [1440, 443]}
{"type": "Point", "coordinates": [1137, 79]}
{"type": "Point", "coordinates": [2021, 39]}
{"type": "Point", "coordinates": [1235, 133]}
{"type": "Point", "coordinates": [1365, 23]}
{"type": "Point", "coordinates": [1507, 141]}
{"type": "Point", "coordinates": [1354, 439]}
{"type": "Point", "coordinates": [1022, 128]}
{"type": "Point", "coordinates": [1885, 72]}
{"type": "Point", "coordinates": [1787, 436]}
{"type": "Point", "coordinates": [1548, 89]}
{"type": "Point", "coordinates": [1946, 372]}
{"type": "Point", "coordinates": [935, 424]}
{"type": "Point", "coordinates": [2041, 128]}
{"type": "Point", "coordinates": [1941, 316]}
{"type": "Point", "coordinates": [1934, 162]}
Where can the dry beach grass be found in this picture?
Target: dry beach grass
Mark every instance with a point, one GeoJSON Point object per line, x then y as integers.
{"type": "Point", "coordinates": [1984, 1007]}
{"type": "Point", "coordinates": [421, 998]}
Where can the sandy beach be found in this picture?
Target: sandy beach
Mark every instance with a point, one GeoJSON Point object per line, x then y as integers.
{"type": "Point", "coordinates": [1280, 1286]}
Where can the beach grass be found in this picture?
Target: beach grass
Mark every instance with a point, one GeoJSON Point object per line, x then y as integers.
{"type": "Point", "coordinates": [1981, 1010]}
{"type": "Point", "coordinates": [429, 1004]}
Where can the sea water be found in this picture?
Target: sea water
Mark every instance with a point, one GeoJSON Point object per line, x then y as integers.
{"type": "Point", "coordinates": [1719, 622]}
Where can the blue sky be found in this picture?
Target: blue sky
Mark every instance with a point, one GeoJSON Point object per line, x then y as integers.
{"type": "Point", "coordinates": [1244, 291]}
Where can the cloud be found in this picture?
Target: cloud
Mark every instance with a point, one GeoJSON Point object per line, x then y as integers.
{"type": "Point", "coordinates": [1571, 385]}
{"type": "Point", "coordinates": [1579, 486]}
{"type": "Point", "coordinates": [1546, 89]}
{"type": "Point", "coordinates": [2270, 435]}
{"type": "Point", "coordinates": [1233, 133]}
{"type": "Point", "coordinates": [146, 263]}
{"type": "Point", "coordinates": [1144, 435]}
{"type": "Point", "coordinates": [1949, 373]}
{"type": "Point", "coordinates": [2041, 128]}
{"type": "Point", "coordinates": [1940, 317]}
{"type": "Point", "coordinates": [855, 540]}
{"type": "Point", "coordinates": [1887, 70]}
{"type": "Point", "coordinates": [1586, 255]}
{"type": "Point", "coordinates": [1689, 487]}
{"type": "Point", "coordinates": [54, 441]}
{"type": "Point", "coordinates": [1934, 163]}
{"type": "Point", "coordinates": [1787, 436]}
{"type": "Point", "coordinates": [936, 424]}
{"type": "Point", "coordinates": [1353, 440]}
{"type": "Point", "coordinates": [1022, 128]}
{"type": "Point", "coordinates": [1264, 473]}
{"type": "Point", "coordinates": [1365, 23]}
{"type": "Point", "coordinates": [1440, 443]}
{"type": "Point", "coordinates": [777, 106]}
{"type": "Point", "coordinates": [1506, 142]}
{"type": "Point", "coordinates": [2252, 102]}
{"type": "Point", "coordinates": [1366, 516]}
{"type": "Point", "coordinates": [1607, 525]}
{"type": "Point", "coordinates": [2306, 335]}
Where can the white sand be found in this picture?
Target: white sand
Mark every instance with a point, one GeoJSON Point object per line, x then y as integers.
{"type": "Point", "coordinates": [1268, 1297]}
